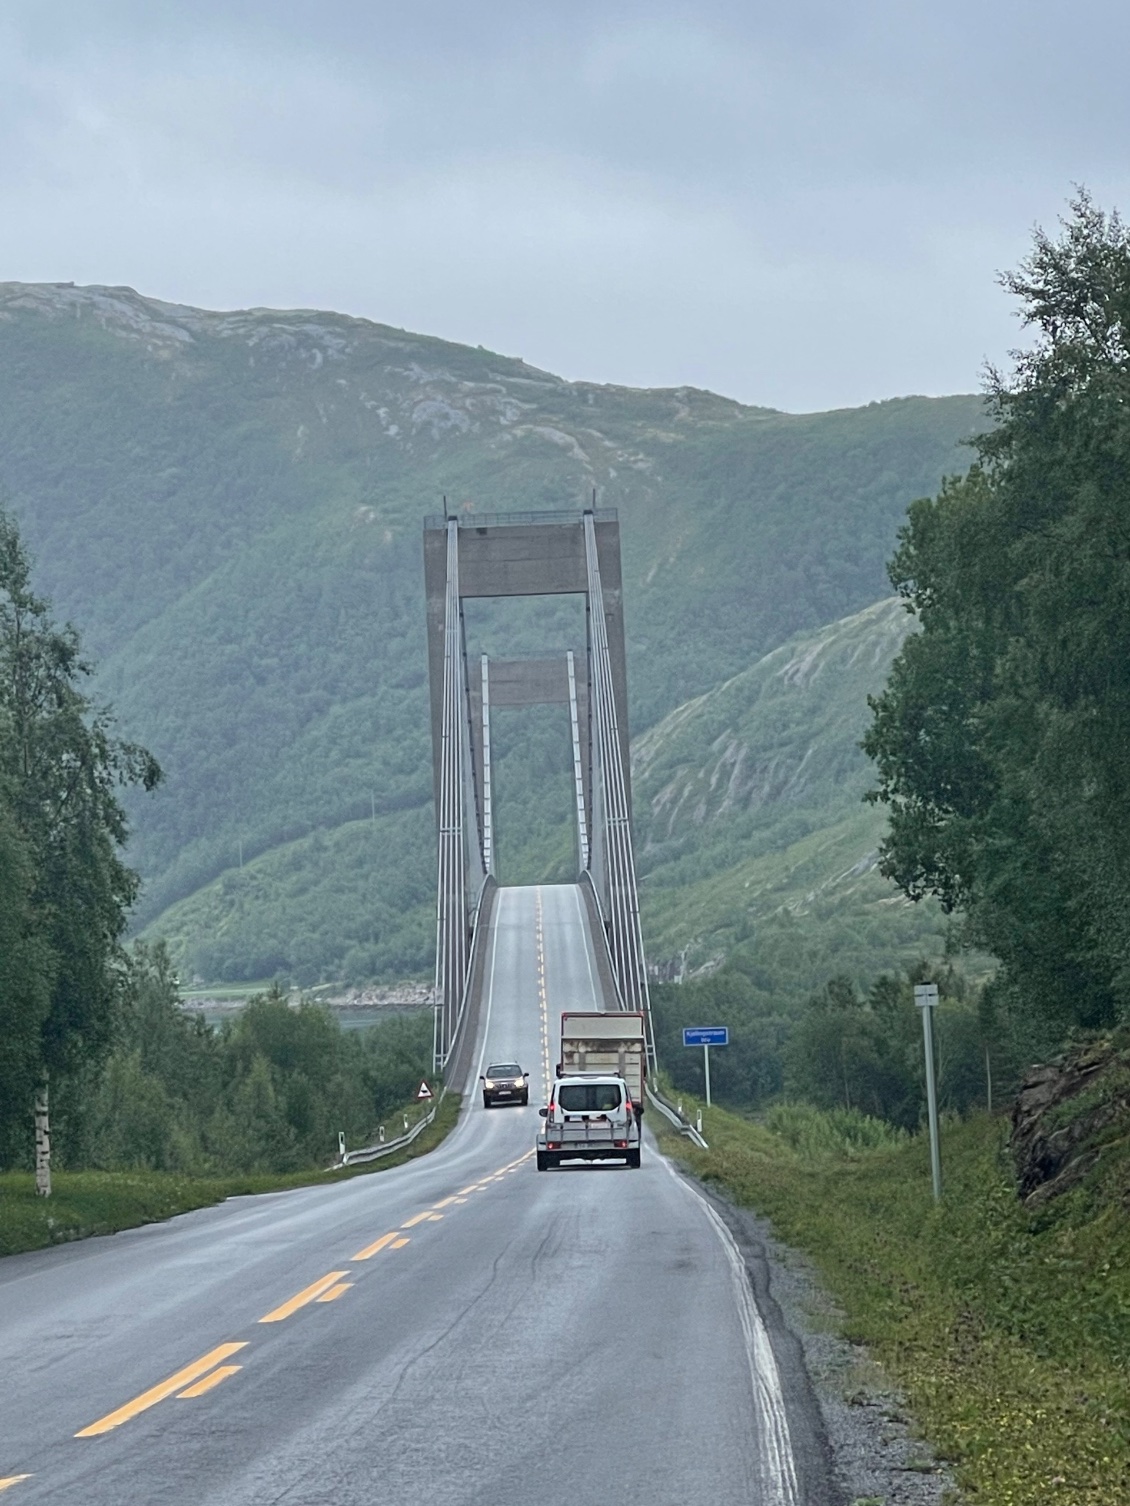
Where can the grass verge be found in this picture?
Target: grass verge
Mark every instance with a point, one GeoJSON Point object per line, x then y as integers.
{"type": "Point", "coordinates": [1007, 1330]}
{"type": "Point", "coordinates": [102, 1202]}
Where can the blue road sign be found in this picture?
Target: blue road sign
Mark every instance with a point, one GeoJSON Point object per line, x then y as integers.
{"type": "Point", "coordinates": [706, 1035]}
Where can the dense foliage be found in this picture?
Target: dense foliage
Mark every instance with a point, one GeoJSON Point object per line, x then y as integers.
{"type": "Point", "coordinates": [265, 1092]}
{"type": "Point", "coordinates": [848, 1048]}
{"type": "Point", "coordinates": [1001, 739]}
{"type": "Point", "coordinates": [64, 889]}
{"type": "Point", "coordinates": [231, 506]}
{"type": "Point", "coordinates": [268, 1091]}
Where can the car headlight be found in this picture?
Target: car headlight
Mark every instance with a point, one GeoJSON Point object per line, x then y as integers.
{"type": "Point", "coordinates": [487, 1083]}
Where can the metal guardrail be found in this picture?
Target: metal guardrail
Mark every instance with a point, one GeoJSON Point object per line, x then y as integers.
{"type": "Point", "coordinates": [680, 1121]}
{"type": "Point", "coordinates": [386, 1147]}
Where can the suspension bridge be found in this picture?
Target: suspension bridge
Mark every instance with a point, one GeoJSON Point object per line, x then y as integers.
{"type": "Point", "coordinates": [528, 554]}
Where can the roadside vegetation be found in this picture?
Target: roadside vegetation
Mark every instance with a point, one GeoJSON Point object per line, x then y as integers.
{"type": "Point", "coordinates": [84, 1203]}
{"type": "Point", "coordinates": [266, 1093]}
{"type": "Point", "coordinates": [849, 1048]}
{"type": "Point", "coordinates": [1006, 1326]}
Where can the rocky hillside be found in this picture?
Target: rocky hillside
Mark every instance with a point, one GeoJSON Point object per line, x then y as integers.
{"type": "Point", "coordinates": [1071, 1118]}
{"type": "Point", "coordinates": [749, 807]}
{"type": "Point", "coordinates": [229, 506]}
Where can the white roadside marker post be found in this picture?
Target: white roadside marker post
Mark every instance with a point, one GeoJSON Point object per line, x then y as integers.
{"type": "Point", "coordinates": [926, 998]}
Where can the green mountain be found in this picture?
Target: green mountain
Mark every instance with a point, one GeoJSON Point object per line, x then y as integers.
{"type": "Point", "coordinates": [753, 839]}
{"type": "Point", "coordinates": [229, 506]}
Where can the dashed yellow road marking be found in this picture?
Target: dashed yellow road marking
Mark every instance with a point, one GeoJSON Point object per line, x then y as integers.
{"type": "Point", "coordinates": [378, 1244]}
{"type": "Point", "coordinates": [159, 1392]}
{"type": "Point", "coordinates": [300, 1299]}
{"type": "Point", "coordinates": [203, 1386]}
{"type": "Point", "coordinates": [335, 1292]}
{"type": "Point", "coordinates": [204, 1374]}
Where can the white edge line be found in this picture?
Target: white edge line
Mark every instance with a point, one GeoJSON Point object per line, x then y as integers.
{"type": "Point", "coordinates": [777, 1449]}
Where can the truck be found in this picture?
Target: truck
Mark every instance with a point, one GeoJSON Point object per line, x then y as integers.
{"type": "Point", "coordinates": [597, 1100]}
{"type": "Point", "coordinates": [588, 1118]}
{"type": "Point", "coordinates": [612, 1043]}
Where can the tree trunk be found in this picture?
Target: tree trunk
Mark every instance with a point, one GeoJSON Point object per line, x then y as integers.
{"type": "Point", "coordinates": [988, 1079]}
{"type": "Point", "coordinates": [42, 1144]}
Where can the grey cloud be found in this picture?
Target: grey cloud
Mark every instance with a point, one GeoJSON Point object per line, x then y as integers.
{"type": "Point", "coordinates": [800, 205]}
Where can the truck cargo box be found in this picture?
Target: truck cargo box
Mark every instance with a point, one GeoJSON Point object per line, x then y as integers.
{"type": "Point", "coordinates": [612, 1042]}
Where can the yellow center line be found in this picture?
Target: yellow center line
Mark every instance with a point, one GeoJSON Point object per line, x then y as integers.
{"type": "Point", "coordinates": [472, 1188]}
{"type": "Point", "coordinates": [378, 1244]}
{"type": "Point", "coordinates": [398, 1244]}
{"type": "Point", "coordinates": [444, 1202]}
{"type": "Point", "coordinates": [334, 1292]}
{"type": "Point", "coordinates": [203, 1386]}
{"type": "Point", "coordinates": [12, 1480]}
{"type": "Point", "coordinates": [418, 1218]}
{"type": "Point", "coordinates": [158, 1393]}
{"type": "Point", "coordinates": [435, 1218]}
{"type": "Point", "coordinates": [300, 1299]}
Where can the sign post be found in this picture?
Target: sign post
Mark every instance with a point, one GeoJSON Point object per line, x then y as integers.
{"type": "Point", "coordinates": [706, 1036]}
{"type": "Point", "coordinates": [926, 998]}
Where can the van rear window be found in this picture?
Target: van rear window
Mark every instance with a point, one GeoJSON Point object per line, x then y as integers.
{"type": "Point", "coordinates": [588, 1097]}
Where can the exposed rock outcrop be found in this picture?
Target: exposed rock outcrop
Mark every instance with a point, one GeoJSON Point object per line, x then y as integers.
{"type": "Point", "coordinates": [1066, 1110]}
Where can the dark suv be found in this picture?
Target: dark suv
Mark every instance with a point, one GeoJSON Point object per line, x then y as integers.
{"type": "Point", "coordinates": [505, 1082]}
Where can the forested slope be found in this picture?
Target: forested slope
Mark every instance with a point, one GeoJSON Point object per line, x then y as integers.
{"type": "Point", "coordinates": [230, 504]}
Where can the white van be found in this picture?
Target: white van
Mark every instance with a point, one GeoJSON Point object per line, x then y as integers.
{"type": "Point", "coordinates": [588, 1118]}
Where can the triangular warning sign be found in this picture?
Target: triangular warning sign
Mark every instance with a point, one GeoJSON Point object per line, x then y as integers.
{"type": "Point", "coordinates": [425, 1091]}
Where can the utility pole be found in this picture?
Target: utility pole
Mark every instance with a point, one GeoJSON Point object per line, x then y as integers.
{"type": "Point", "coordinates": [926, 998]}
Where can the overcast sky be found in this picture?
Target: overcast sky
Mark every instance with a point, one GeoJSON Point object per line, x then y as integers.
{"type": "Point", "coordinates": [801, 204]}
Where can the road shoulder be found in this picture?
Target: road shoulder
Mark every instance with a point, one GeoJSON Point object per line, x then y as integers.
{"type": "Point", "coordinates": [854, 1440]}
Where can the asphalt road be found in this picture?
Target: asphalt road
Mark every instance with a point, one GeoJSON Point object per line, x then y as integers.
{"type": "Point", "coordinates": [489, 1334]}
